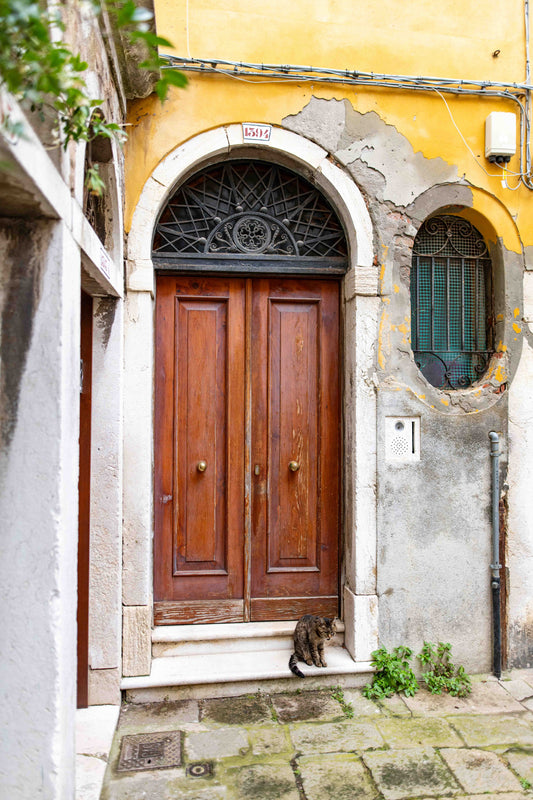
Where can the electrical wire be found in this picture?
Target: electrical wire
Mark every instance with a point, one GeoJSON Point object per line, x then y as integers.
{"type": "Point", "coordinates": [287, 73]}
{"type": "Point", "coordinates": [504, 172]}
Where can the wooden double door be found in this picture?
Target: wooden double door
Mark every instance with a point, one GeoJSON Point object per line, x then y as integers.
{"type": "Point", "coordinates": [247, 449]}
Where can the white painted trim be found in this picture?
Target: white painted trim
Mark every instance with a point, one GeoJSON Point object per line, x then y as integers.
{"type": "Point", "coordinates": [359, 402]}
{"type": "Point", "coordinates": [335, 183]}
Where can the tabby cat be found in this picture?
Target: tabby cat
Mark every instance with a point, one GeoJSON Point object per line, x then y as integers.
{"type": "Point", "coordinates": [310, 636]}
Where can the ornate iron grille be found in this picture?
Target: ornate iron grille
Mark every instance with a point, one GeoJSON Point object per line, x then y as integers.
{"type": "Point", "coordinates": [248, 209]}
{"type": "Point", "coordinates": [450, 279]}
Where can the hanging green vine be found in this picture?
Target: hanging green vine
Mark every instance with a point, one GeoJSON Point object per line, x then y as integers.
{"type": "Point", "coordinates": [37, 68]}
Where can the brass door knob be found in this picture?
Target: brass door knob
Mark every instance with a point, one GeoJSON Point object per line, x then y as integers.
{"type": "Point", "coordinates": [201, 466]}
{"type": "Point", "coordinates": [294, 466]}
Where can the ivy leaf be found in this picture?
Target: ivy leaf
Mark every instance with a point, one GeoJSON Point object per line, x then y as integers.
{"type": "Point", "coordinates": [151, 39]}
{"type": "Point", "coordinates": [94, 182]}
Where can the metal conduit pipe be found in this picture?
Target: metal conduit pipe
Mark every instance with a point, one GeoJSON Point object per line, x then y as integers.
{"type": "Point", "coordinates": [290, 72]}
{"type": "Point", "coordinates": [495, 565]}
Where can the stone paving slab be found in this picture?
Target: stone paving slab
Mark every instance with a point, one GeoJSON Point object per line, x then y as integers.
{"type": "Point", "coordinates": [90, 772]}
{"type": "Point", "coordinates": [306, 706]}
{"type": "Point", "coordinates": [266, 741]}
{"type": "Point", "coordinates": [361, 706]}
{"type": "Point", "coordinates": [519, 688]}
{"type": "Point", "coordinates": [521, 674]}
{"type": "Point", "coordinates": [480, 771]}
{"type": "Point", "coordinates": [270, 748]}
{"type": "Point", "coordinates": [487, 697]}
{"type": "Point", "coordinates": [340, 737]}
{"type": "Point", "coordinates": [153, 717]}
{"type": "Point", "coordinates": [409, 733]}
{"type": "Point", "coordinates": [491, 730]}
{"type": "Point", "coordinates": [395, 706]}
{"type": "Point", "coordinates": [521, 760]}
{"type": "Point", "coordinates": [491, 796]}
{"type": "Point", "coordinates": [220, 743]}
{"type": "Point", "coordinates": [247, 710]}
{"type": "Point", "coordinates": [336, 777]}
{"type": "Point", "coordinates": [271, 781]}
{"type": "Point", "coordinates": [163, 785]}
{"type": "Point", "coordinates": [410, 773]}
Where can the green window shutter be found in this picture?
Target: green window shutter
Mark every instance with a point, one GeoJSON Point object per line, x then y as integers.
{"type": "Point", "coordinates": [450, 277]}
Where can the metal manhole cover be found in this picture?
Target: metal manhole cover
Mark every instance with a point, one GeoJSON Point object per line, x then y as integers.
{"type": "Point", "coordinates": [150, 751]}
{"type": "Point", "coordinates": [200, 770]}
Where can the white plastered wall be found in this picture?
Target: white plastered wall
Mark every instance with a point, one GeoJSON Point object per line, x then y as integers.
{"type": "Point", "coordinates": [105, 551]}
{"type": "Point", "coordinates": [105, 561]}
{"type": "Point", "coordinates": [520, 522]}
{"type": "Point", "coordinates": [361, 320]}
{"type": "Point", "coordinates": [39, 514]}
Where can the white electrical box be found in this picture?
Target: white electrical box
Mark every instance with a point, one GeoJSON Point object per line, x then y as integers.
{"type": "Point", "coordinates": [500, 136]}
{"type": "Point", "coordinates": [402, 439]}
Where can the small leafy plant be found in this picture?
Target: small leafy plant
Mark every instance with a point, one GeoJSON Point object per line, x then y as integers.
{"type": "Point", "coordinates": [442, 675]}
{"type": "Point", "coordinates": [393, 674]}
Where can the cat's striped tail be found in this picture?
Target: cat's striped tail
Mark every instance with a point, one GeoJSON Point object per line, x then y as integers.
{"type": "Point", "coordinates": [293, 666]}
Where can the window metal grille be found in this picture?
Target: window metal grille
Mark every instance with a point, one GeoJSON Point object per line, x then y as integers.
{"type": "Point", "coordinates": [249, 209]}
{"type": "Point", "coordinates": [450, 287]}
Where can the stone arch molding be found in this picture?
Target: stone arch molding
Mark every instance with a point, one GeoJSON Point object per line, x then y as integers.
{"type": "Point", "coordinates": [361, 312]}
{"type": "Point", "coordinates": [338, 187]}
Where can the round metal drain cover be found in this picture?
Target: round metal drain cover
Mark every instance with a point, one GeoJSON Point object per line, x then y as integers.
{"type": "Point", "coordinates": [201, 770]}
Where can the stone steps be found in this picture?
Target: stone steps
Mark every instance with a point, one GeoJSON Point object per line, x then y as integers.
{"type": "Point", "coordinates": [180, 640]}
{"type": "Point", "coordinates": [227, 660]}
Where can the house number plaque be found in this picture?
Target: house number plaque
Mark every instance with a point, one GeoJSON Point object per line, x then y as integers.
{"type": "Point", "coordinates": [251, 132]}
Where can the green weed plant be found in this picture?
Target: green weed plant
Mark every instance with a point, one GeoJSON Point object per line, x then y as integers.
{"type": "Point", "coordinates": [442, 675]}
{"type": "Point", "coordinates": [338, 695]}
{"type": "Point", "coordinates": [394, 673]}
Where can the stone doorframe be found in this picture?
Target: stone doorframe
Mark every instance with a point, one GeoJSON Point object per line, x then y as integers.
{"type": "Point", "coordinates": [361, 312]}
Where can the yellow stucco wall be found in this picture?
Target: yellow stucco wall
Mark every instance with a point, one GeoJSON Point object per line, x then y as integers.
{"type": "Point", "coordinates": [452, 39]}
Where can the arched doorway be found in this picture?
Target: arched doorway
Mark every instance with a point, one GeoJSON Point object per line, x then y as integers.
{"type": "Point", "coordinates": [248, 256]}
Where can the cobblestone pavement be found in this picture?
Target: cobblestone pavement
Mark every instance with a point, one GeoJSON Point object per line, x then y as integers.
{"type": "Point", "coordinates": [305, 745]}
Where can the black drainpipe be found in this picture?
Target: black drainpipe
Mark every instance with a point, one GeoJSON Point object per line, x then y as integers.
{"type": "Point", "coordinates": [496, 566]}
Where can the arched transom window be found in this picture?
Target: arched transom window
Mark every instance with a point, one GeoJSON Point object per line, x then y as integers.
{"type": "Point", "coordinates": [252, 212]}
{"type": "Point", "coordinates": [450, 302]}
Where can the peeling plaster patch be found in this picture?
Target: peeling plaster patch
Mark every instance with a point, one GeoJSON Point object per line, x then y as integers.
{"type": "Point", "coordinates": [321, 121]}
{"type": "Point", "coordinates": [382, 148]}
{"type": "Point", "coordinates": [528, 257]}
{"type": "Point", "coordinates": [382, 271]}
{"type": "Point", "coordinates": [499, 374]}
{"type": "Point", "coordinates": [384, 338]}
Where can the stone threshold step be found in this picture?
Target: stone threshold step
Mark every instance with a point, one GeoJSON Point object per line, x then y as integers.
{"type": "Point", "coordinates": [232, 630]}
{"type": "Point", "coordinates": [232, 638]}
{"type": "Point", "coordinates": [201, 669]}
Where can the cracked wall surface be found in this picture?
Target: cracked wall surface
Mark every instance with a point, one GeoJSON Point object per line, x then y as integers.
{"type": "Point", "coordinates": [405, 154]}
{"type": "Point", "coordinates": [434, 515]}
